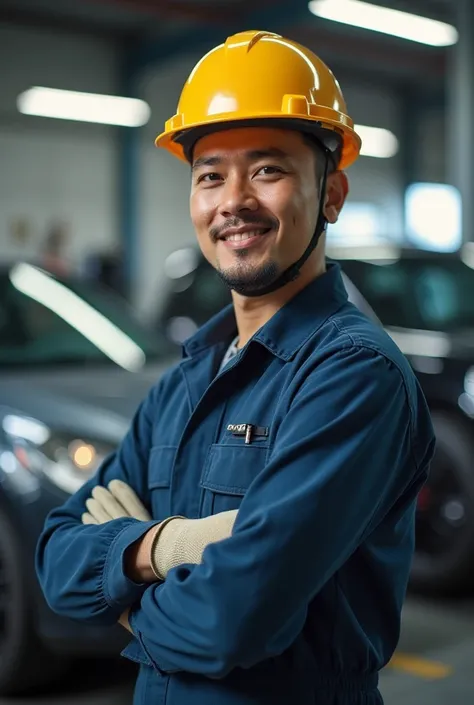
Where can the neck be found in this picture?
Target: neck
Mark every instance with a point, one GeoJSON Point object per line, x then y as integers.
{"type": "Point", "coordinates": [252, 313]}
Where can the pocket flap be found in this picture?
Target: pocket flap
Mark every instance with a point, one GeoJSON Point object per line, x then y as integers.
{"type": "Point", "coordinates": [160, 466]}
{"type": "Point", "coordinates": [230, 469]}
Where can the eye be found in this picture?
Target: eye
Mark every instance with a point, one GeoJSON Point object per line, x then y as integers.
{"type": "Point", "coordinates": [270, 170]}
{"type": "Point", "coordinates": [209, 177]}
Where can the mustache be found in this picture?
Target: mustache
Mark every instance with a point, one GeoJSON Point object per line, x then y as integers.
{"type": "Point", "coordinates": [251, 219]}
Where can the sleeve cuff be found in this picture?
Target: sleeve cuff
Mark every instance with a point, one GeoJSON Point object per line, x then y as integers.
{"type": "Point", "coordinates": [138, 651]}
{"type": "Point", "coordinates": [119, 591]}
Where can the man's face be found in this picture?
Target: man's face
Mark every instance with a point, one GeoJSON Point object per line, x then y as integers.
{"type": "Point", "coordinates": [254, 203]}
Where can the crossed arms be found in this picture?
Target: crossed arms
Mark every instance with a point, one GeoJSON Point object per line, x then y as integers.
{"type": "Point", "coordinates": [166, 545]}
{"type": "Point", "coordinates": [342, 457]}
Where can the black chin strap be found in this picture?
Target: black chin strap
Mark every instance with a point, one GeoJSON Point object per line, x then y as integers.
{"type": "Point", "coordinates": [293, 271]}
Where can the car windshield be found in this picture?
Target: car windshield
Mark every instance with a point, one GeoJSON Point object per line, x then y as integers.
{"type": "Point", "coordinates": [46, 319]}
{"type": "Point", "coordinates": [425, 293]}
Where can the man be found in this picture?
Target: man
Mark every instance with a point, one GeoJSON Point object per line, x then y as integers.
{"type": "Point", "coordinates": [280, 461]}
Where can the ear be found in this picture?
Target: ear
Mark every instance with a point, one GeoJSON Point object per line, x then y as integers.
{"type": "Point", "coordinates": [337, 189]}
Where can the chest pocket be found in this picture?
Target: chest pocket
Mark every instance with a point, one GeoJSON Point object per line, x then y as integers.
{"type": "Point", "coordinates": [160, 469]}
{"type": "Point", "coordinates": [228, 472]}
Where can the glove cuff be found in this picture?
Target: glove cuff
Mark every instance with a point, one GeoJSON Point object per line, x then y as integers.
{"type": "Point", "coordinates": [155, 553]}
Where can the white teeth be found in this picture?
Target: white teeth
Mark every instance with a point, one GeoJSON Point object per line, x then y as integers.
{"type": "Point", "coordinates": [244, 236]}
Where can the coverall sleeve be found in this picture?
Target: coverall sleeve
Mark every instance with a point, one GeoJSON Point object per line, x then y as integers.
{"type": "Point", "coordinates": [341, 458]}
{"type": "Point", "coordinates": [80, 567]}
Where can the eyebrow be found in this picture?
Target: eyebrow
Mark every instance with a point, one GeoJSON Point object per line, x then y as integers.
{"type": "Point", "coordinates": [252, 155]}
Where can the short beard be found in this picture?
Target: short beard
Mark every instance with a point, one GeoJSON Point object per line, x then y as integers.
{"type": "Point", "coordinates": [247, 280]}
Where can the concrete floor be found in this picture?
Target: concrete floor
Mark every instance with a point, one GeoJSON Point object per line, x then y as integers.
{"type": "Point", "coordinates": [435, 659]}
{"type": "Point", "coordinates": [433, 665]}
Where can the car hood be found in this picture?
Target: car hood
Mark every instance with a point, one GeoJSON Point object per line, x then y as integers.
{"type": "Point", "coordinates": [85, 400]}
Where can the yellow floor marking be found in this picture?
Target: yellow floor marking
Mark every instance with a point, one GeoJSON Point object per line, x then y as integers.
{"type": "Point", "coordinates": [420, 667]}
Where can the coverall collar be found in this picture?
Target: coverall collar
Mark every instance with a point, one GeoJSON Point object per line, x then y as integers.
{"type": "Point", "coordinates": [285, 333]}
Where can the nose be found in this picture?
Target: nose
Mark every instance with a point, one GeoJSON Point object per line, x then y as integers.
{"type": "Point", "coordinates": [237, 195]}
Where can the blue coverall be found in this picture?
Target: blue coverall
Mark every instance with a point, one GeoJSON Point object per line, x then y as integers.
{"type": "Point", "coordinates": [301, 605]}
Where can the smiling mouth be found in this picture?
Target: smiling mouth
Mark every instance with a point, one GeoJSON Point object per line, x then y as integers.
{"type": "Point", "coordinates": [239, 237]}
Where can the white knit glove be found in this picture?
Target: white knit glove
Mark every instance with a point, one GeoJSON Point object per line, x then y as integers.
{"type": "Point", "coordinates": [116, 502]}
{"type": "Point", "coordinates": [181, 540]}
{"type": "Point", "coordinates": [178, 540]}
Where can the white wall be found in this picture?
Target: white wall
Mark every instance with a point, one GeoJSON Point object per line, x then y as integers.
{"type": "Point", "coordinates": [51, 169]}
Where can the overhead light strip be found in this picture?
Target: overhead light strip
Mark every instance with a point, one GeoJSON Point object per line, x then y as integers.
{"type": "Point", "coordinates": [83, 107]}
{"type": "Point", "coordinates": [386, 20]}
{"type": "Point", "coordinates": [377, 142]}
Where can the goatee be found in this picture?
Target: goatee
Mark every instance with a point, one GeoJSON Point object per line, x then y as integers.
{"type": "Point", "coordinates": [247, 280]}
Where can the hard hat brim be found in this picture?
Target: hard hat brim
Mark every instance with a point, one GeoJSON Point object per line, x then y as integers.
{"type": "Point", "coordinates": [332, 135]}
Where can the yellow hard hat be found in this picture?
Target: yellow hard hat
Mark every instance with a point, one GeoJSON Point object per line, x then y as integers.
{"type": "Point", "coordinates": [256, 77]}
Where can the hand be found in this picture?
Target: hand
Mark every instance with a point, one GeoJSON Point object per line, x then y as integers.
{"type": "Point", "coordinates": [116, 502]}
{"type": "Point", "coordinates": [178, 540]}
{"type": "Point", "coordinates": [175, 541]}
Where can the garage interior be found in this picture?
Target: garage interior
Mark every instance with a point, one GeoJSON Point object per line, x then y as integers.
{"type": "Point", "coordinates": [97, 201]}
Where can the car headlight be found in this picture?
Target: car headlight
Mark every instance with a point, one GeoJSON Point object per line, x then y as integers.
{"type": "Point", "coordinates": [66, 459]}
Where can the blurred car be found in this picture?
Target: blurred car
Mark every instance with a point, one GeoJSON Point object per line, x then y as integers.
{"type": "Point", "coordinates": [425, 301]}
{"type": "Point", "coordinates": [74, 365]}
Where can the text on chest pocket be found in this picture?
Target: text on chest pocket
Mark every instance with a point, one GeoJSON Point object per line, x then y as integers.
{"type": "Point", "coordinates": [160, 469]}
{"type": "Point", "coordinates": [228, 472]}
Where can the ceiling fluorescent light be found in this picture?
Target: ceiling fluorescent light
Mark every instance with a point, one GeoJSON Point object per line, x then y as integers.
{"type": "Point", "coordinates": [377, 142]}
{"type": "Point", "coordinates": [83, 107]}
{"type": "Point", "coordinates": [386, 20]}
